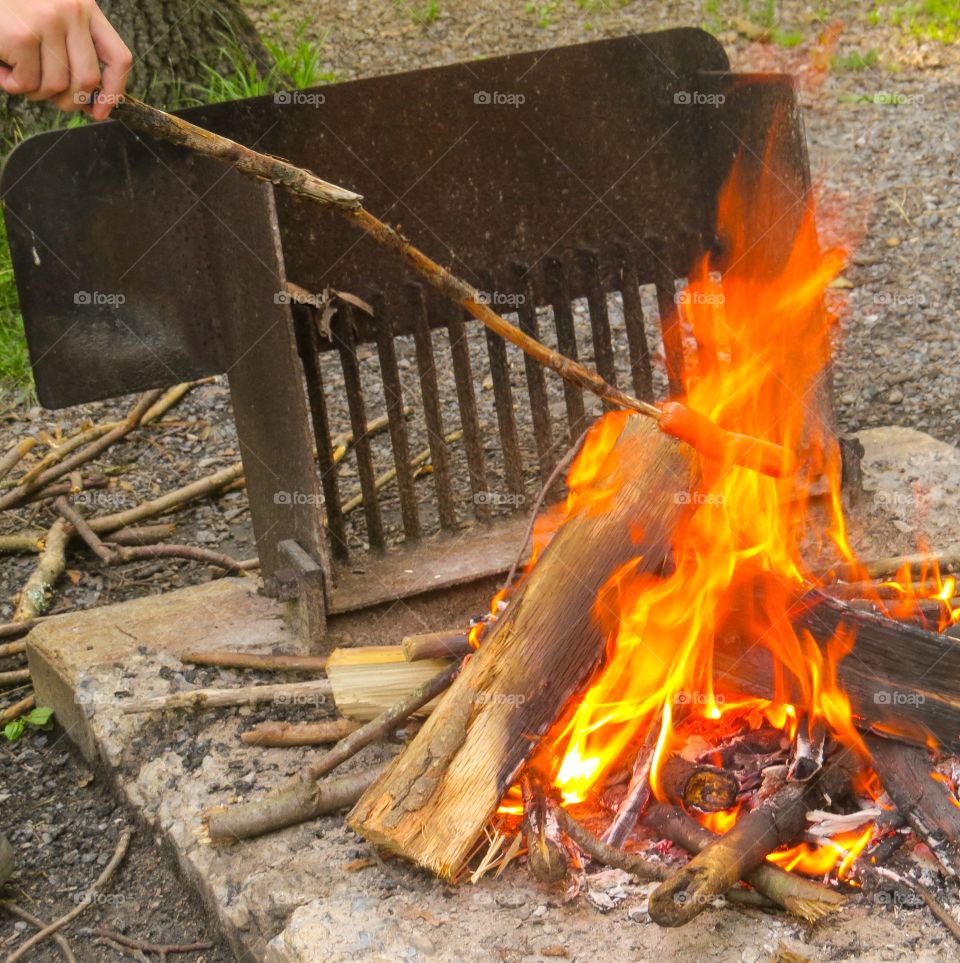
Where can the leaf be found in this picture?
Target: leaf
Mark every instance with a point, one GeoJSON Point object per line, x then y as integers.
{"type": "Point", "coordinates": [14, 730]}
{"type": "Point", "coordinates": [39, 717]}
{"type": "Point", "coordinates": [355, 301]}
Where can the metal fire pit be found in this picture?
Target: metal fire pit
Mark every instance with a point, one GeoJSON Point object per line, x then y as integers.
{"type": "Point", "coordinates": [549, 179]}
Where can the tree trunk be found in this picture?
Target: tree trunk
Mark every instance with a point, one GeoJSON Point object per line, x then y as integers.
{"type": "Point", "coordinates": [170, 40]}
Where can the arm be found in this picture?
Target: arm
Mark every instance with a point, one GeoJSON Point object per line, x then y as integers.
{"type": "Point", "coordinates": [62, 50]}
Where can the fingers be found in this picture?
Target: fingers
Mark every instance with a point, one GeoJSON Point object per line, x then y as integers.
{"type": "Point", "coordinates": [22, 51]}
{"type": "Point", "coordinates": [84, 69]}
{"type": "Point", "coordinates": [54, 64]}
{"type": "Point", "coordinates": [116, 59]}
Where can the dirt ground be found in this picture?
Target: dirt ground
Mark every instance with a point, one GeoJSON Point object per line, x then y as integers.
{"type": "Point", "coordinates": [888, 170]}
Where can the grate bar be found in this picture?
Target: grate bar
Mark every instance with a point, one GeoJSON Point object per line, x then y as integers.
{"type": "Point", "coordinates": [430, 395]}
{"type": "Point", "coordinates": [536, 382]}
{"type": "Point", "coordinates": [399, 437]}
{"type": "Point", "coordinates": [559, 296]}
{"type": "Point", "coordinates": [599, 318]}
{"type": "Point", "coordinates": [469, 419]}
{"type": "Point", "coordinates": [640, 370]}
{"type": "Point", "coordinates": [346, 343]}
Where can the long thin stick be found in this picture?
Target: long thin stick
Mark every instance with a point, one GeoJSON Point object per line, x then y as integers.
{"type": "Point", "coordinates": [673, 418]}
{"type": "Point", "coordinates": [256, 660]}
{"type": "Point", "coordinates": [16, 710]}
{"type": "Point", "coordinates": [108, 871]}
{"type": "Point", "coordinates": [316, 691]}
{"type": "Point", "coordinates": [58, 938]}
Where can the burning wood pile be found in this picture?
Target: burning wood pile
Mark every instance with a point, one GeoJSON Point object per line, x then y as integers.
{"type": "Point", "coordinates": [693, 656]}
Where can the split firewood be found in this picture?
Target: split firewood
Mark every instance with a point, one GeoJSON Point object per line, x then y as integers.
{"type": "Point", "coordinates": [264, 662]}
{"type": "Point", "coordinates": [731, 857]}
{"type": "Point", "coordinates": [801, 897]}
{"type": "Point", "coordinates": [706, 788]}
{"type": "Point", "coordinates": [457, 769]}
{"type": "Point", "coordinates": [14, 677]}
{"type": "Point", "coordinates": [453, 644]}
{"type": "Point", "coordinates": [638, 790]}
{"type": "Point", "coordinates": [306, 800]}
{"type": "Point", "coordinates": [292, 802]}
{"type": "Point", "coordinates": [314, 692]}
{"type": "Point", "coordinates": [367, 680]}
{"type": "Point", "coordinates": [541, 831]}
{"type": "Point", "coordinates": [271, 734]}
{"type": "Point", "coordinates": [928, 805]}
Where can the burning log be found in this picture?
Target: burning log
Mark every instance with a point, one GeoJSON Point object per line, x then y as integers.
{"type": "Point", "coordinates": [801, 897]}
{"type": "Point", "coordinates": [539, 652]}
{"type": "Point", "coordinates": [638, 792]}
{"type": "Point", "coordinates": [706, 788]}
{"type": "Point", "coordinates": [731, 857]}
{"type": "Point", "coordinates": [925, 802]}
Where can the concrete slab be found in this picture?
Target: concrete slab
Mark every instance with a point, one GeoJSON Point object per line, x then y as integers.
{"type": "Point", "coordinates": [319, 894]}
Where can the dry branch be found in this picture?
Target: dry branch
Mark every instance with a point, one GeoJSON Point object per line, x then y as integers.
{"type": "Point", "coordinates": [706, 788]}
{"type": "Point", "coordinates": [638, 791]}
{"type": "Point", "coordinates": [316, 691]}
{"type": "Point", "coordinates": [14, 678]}
{"type": "Point", "coordinates": [34, 921]}
{"type": "Point", "coordinates": [453, 644]}
{"type": "Point", "coordinates": [35, 595]}
{"type": "Point", "coordinates": [15, 648]}
{"type": "Point", "coordinates": [13, 455]}
{"type": "Point", "coordinates": [264, 662]}
{"type": "Point", "coordinates": [541, 831]}
{"type": "Point", "coordinates": [108, 871]}
{"type": "Point", "coordinates": [801, 897]}
{"type": "Point", "coordinates": [302, 801]}
{"type": "Point", "coordinates": [299, 733]}
{"type": "Point", "coordinates": [729, 858]}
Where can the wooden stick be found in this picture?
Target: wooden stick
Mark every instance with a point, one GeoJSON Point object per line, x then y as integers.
{"type": "Point", "coordinates": [35, 595]}
{"type": "Point", "coordinates": [141, 535]}
{"type": "Point", "coordinates": [295, 805]}
{"type": "Point", "coordinates": [352, 504]}
{"type": "Point", "coordinates": [342, 442]}
{"type": "Point", "coordinates": [120, 430]}
{"type": "Point", "coordinates": [170, 398]}
{"type": "Point", "coordinates": [190, 553]}
{"type": "Point", "coordinates": [600, 851]}
{"type": "Point", "coordinates": [948, 560]}
{"type": "Point", "coordinates": [638, 791]}
{"type": "Point", "coordinates": [254, 660]}
{"type": "Point", "coordinates": [299, 734]}
{"type": "Point", "coordinates": [103, 552]}
{"type": "Point", "coordinates": [17, 709]}
{"type": "Point", "coordinates": [22, 543]}
{"type": "Point", "coordinates": [57, 454]}
{"type": "Point", "coordinates": [706, 788]}
{"type": "Point", "coordinates": [673, 418]}
{"type": "Point", "coordinates": [801, 897]}
{"type": "Point", "coordinates": [926, 803]}
{"type": "Point", "coordinates": [15, 648]}
{"type": "Point", "coordinates": [160, 949]}
{"type": "Point", "coordinates": [58, 938]}
{"type": "Point", "coordinates": [14, 678]}
{"type": "Point", "coordinates": [100, 882]}
{"type": "Point", "coordinates": [314, 692]}
{"type": "Point", "coordinates": [730, 857]}
{"type": "Point", "coordinates": [452, 644]}
{"type": "Point", "coordinates": [6, 859]}
{"type": "Point", "coordinates": [292, 801]}
{"type": "Point", "coordinates": [13, 455]}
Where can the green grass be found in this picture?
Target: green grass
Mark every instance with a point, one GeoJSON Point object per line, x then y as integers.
{"type": "Point", "coordinates": [421, 13]}
{"type": "Point", "coordinates": [16, 381]}
{"type": "Point", "coordinates": [856, 60]}
{"type": "Point", "coordinates": [926, 19]}
{"type": "Point", "coordinates": [296, 65]}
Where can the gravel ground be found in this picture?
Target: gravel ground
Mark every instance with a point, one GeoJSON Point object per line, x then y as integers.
{"type": "Point", "coordinates": [889, 177]}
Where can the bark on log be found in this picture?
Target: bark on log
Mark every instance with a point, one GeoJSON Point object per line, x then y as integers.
{"type": "Point", "coordinates": [926, 803]}
{"type": "Point", "coordinates": [541, 832]}
{"type": "Point", "coordinates": [899, 677]}
{"type": "Point", "coordinates": [706, 788]}
{"type": "Point", "coordinates": [299, 734]}
{"type": "Point", "coordinates": [541, 650]}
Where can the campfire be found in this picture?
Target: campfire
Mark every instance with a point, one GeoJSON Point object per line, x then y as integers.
{"type": "Point", "coordinates": [616, 679]}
